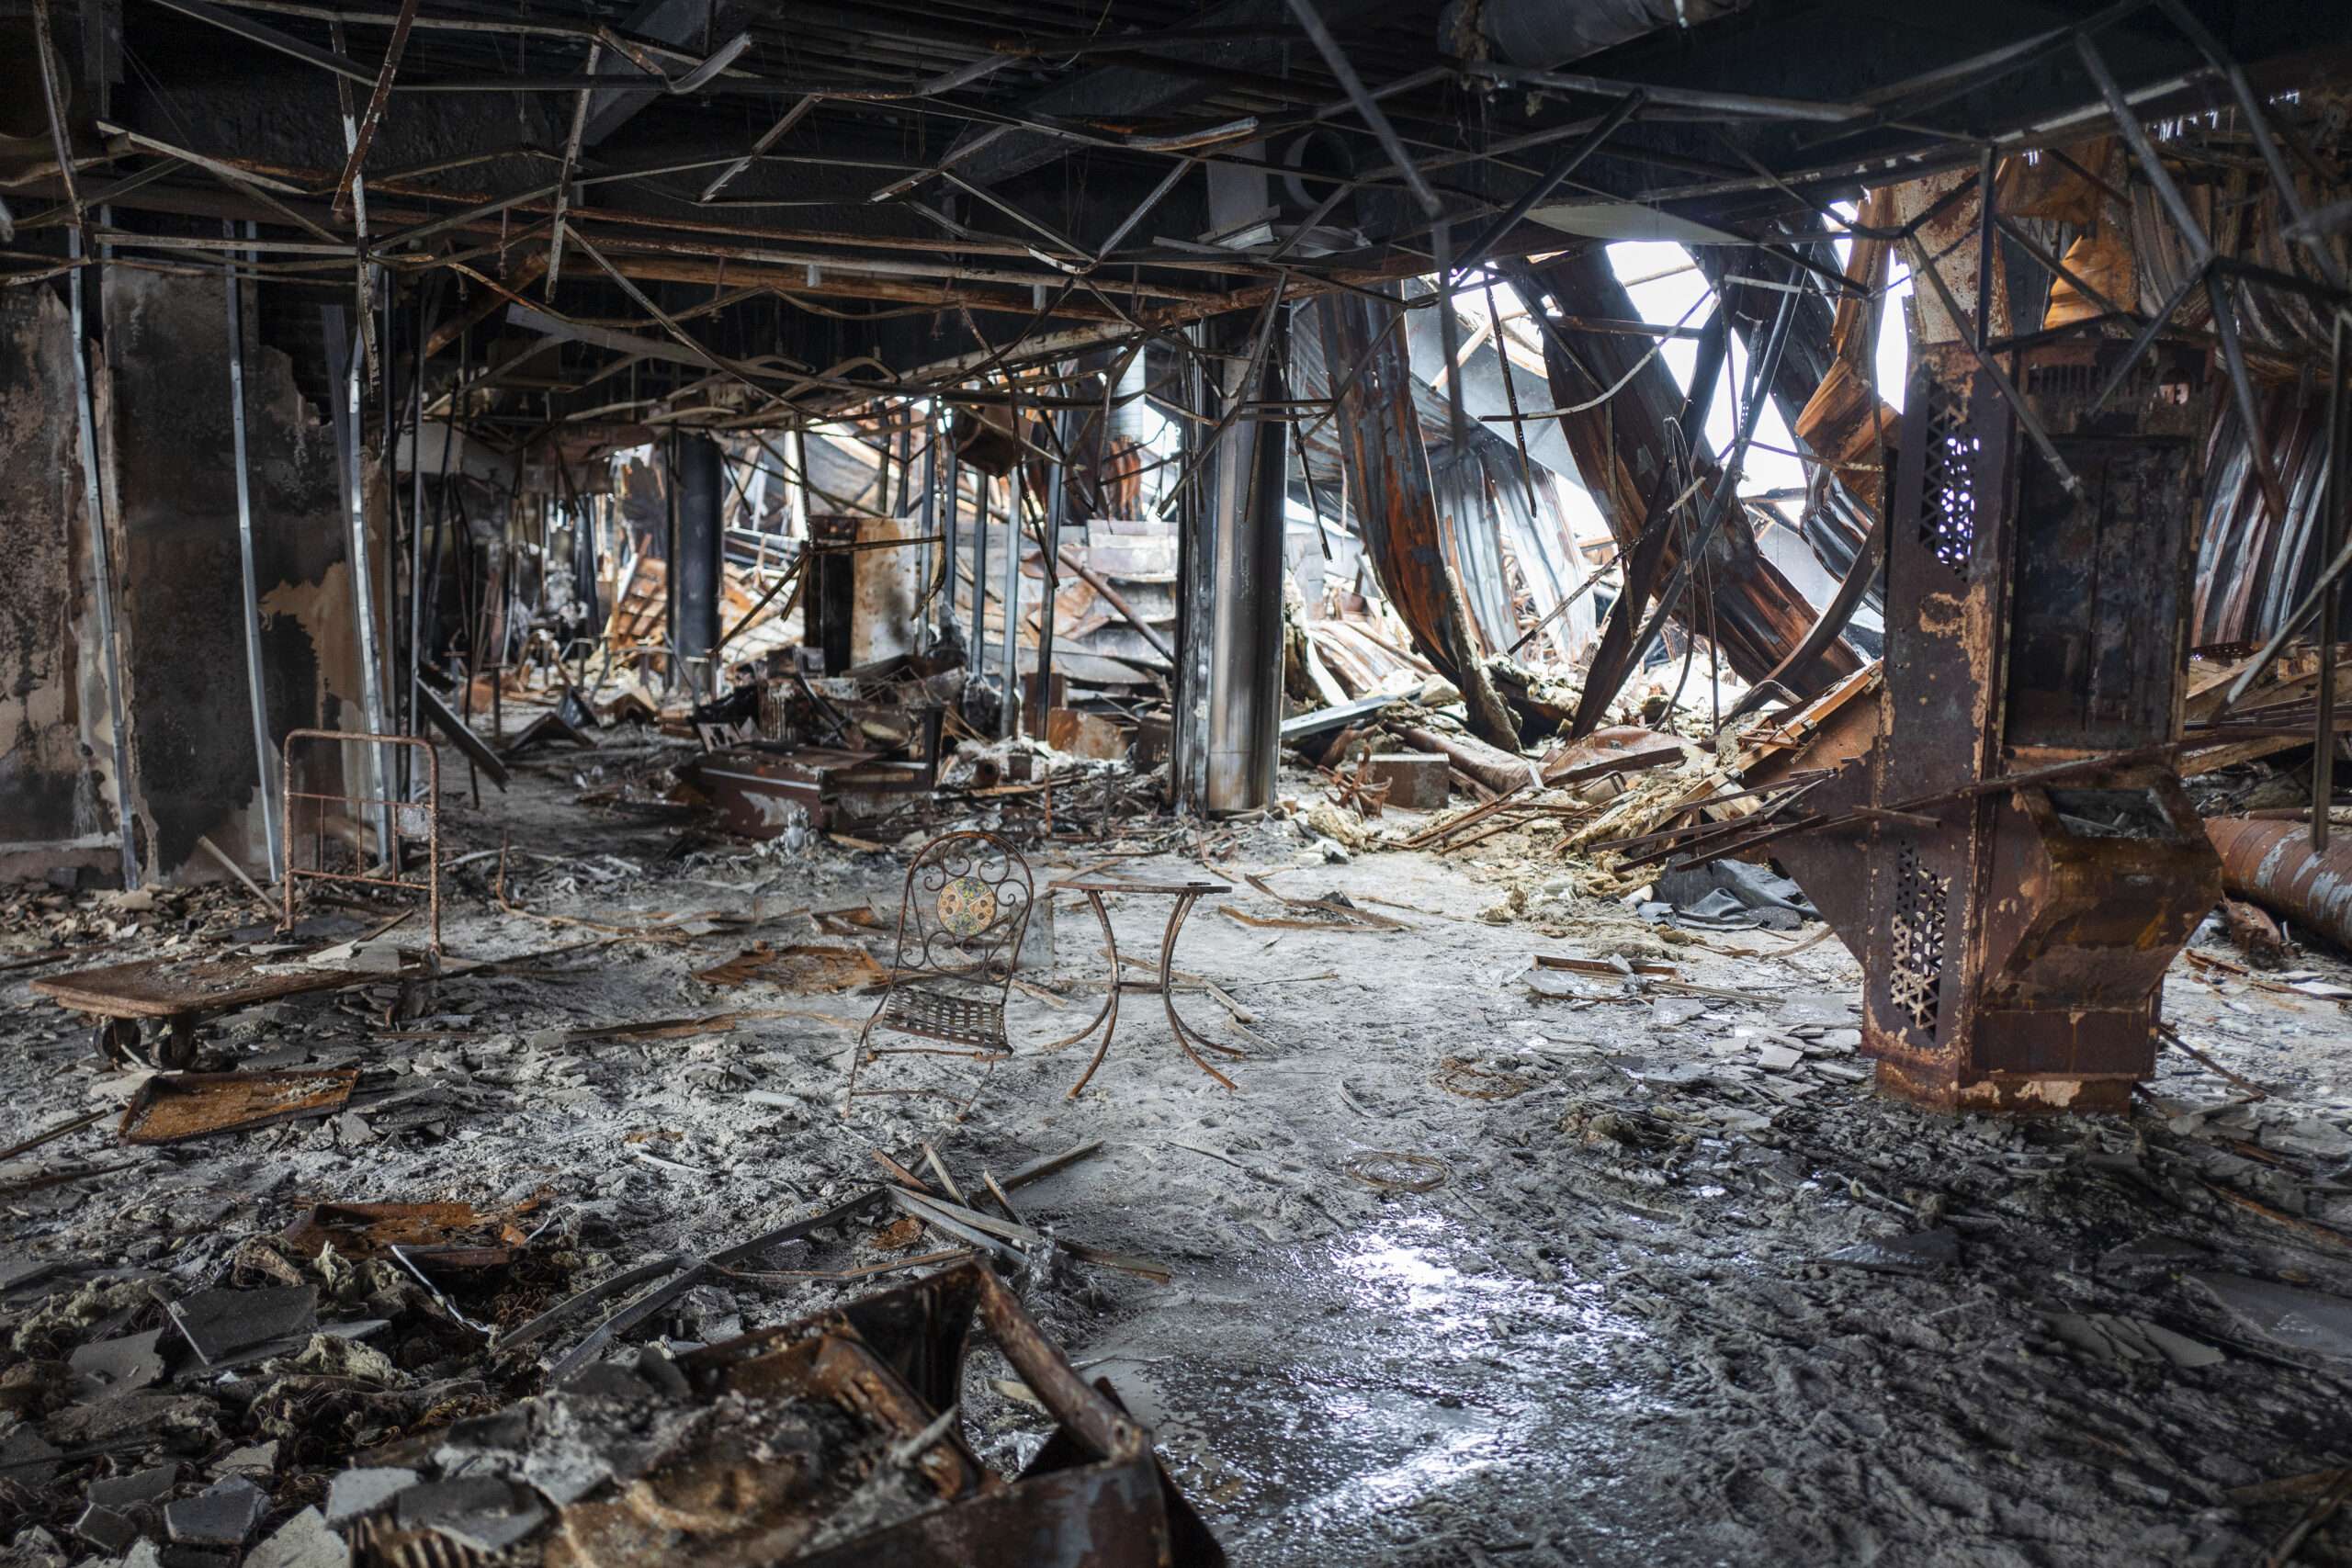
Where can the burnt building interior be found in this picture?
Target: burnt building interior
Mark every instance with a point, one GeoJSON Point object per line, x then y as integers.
{"type": "Point", "coordinates": [1693, 644]}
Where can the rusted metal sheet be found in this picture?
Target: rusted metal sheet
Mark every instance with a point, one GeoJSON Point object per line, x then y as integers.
{"type": "Point", "coordinates": [800, 967]}
{"type": "Point", "coordinates": [2273, 865]}
{"type": "Point", "coordinates": [1622, 444]}
{"type": "Point", "coordinates": [436, 1238]}
{"type": "Point", "coordinates": [1394, 501]}
{"type": "Point", "coordinates": [1619, 748]}
{"type": "Point", "coordinates": [172, 988]}
{"type": "Point", "coordinates": [1835, 733]}
{"type": "Point", "coordinates": [2253, 565]}
{"type": "Point", "coordinates": [171, 1107]}
{"type": "Point", "coordinates": [1949, 233]}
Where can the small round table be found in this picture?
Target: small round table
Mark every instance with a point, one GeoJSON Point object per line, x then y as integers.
{"type": "Point", "coordinates": [1186, 895]}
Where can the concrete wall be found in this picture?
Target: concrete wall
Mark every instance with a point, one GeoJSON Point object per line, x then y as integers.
{"type": "Point", "coordinates": [180, 615]}
{"type": "Point", "coordinates": [56, 799]}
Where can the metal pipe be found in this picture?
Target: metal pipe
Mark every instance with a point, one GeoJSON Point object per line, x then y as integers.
{"type": "Point", "coordinates": [768, 139]}
{"type": "Point", "coordinates": [2135, 136]}
{"type": "Point", "coordinates": [2331, 527]}
{"type": "Point", "coordinates": [415, 511]}
{"type": "Point", "coordinates": [563, 172]}
{"type": "Point", "coordinates": [264, 753]}
{"type": "Point", "coordinates": [1048, 552]}
{"type": "Point", "coordinates": [363, 591]}
{"type": "Point", "coordinates": [2257, 441]}
{"type": "Point", "coordinates": [980, 572]}
{"type": "Point", "coordinates": [800, 486]}
{"type": "Point", "coordinates": [1746, 105]}
{"type": "Point", "coordinates": [1366, 105]}
{"type": "Point", "coordinates": [101, 564]}
{"type": "Point", "coordinates": [1009, 715]}
{"type": "Point", "coordinates": [2279, 866]}
{"type": "Point", "coordinates": [2250, 109]}
{"type": "Point", "coordinates": [1985, 213]}
{"type": "Point", "coordinates": [346, 194]}
{"type": "Point", "coordinates": [948, 624]}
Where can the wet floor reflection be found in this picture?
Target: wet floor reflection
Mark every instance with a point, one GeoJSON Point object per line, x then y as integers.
{"type": "Point", "coordinates": [1399, 1386]}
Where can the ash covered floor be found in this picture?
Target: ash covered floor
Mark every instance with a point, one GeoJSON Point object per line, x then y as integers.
{"type": "Point", "coordinates": [1476, 1267]}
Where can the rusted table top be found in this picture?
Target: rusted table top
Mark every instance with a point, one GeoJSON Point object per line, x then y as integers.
{"type": "Point", "coordinates": [172, 988]}
{"type": "Point", "coordinates": [1102, 884]}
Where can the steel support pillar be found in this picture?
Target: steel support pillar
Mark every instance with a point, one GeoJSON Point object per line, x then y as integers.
{"type": "Point", "coordinates": [1228, 657]}
{"type": "Point", "coordinates": [1041, 720]}
{"type": "Point", "coordinates": [979, 572]}
{"type": "Point", "coordinates": [950, 633]}
{"type": "Point", "coordinates": [2014, 937]}
{"type": "Point", "coordinates": [927, 633]}
{"type": "Point", "coordinates": [696, 574]}
{"type": "Point", "coordinates": [1009, 712]}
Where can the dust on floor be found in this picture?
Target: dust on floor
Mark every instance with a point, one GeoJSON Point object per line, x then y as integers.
{"type": "Point", "coordinates": [1595, 1268]}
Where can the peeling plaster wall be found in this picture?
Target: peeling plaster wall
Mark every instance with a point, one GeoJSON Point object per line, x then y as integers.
{"type": "Point", "coordinates": [181, 619]}
{"type": "Point", "coordinates": [57, 805]}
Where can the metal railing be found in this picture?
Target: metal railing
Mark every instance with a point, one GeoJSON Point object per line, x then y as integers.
{"type": "Point", "coordinates": [392, 814]}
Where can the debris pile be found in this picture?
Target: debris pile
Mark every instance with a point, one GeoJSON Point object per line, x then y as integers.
{"type": "Point", "coordinates": [835, 1440]}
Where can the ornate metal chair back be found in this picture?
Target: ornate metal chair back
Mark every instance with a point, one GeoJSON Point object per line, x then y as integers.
{"type": "Point", "coordinates": [964, 909]}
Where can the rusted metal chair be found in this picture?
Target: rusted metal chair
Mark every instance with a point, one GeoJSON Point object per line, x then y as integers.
{"type": "Point", "coordinates": [961, 919]}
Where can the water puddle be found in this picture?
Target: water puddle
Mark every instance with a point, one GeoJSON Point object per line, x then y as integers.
{"type": "Point", "coordinates": [1357, 1389]}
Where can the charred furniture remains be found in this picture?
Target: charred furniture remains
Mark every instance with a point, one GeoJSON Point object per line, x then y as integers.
{"type": "Point", "coordinates": [963, 916]}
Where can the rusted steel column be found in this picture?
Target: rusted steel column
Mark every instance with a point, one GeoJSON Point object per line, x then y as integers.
{"type": "Point", "coordinates": [1396, 504]}
{"type": "Point", "coordinates": [2273, 865]}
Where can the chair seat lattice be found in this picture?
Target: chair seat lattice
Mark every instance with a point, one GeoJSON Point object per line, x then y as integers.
{"type": "Point", "coordinates": [942, 1015]}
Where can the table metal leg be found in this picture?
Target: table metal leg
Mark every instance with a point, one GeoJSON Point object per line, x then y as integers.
{"type": "Point", "coordinates": [1185, 1036]}
{"type": "Point", "coordinates": [1107, 1021]}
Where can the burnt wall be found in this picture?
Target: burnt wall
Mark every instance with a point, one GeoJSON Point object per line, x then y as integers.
{"type": "Point", "coordinates": [174, 455]}
{"type": "Point", "coordinates": [53, 788]}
